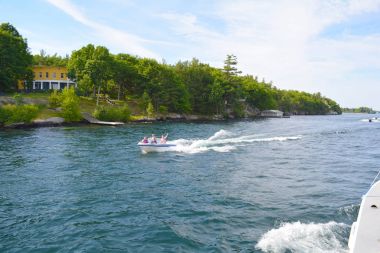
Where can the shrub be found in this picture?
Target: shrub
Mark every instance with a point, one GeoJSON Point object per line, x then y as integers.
{"type": "Point", "coordinates": [17, 113]}
{"type": "Point", "coordinates": [5, 114]}
{"type": "Point", "coordinates": [126, 112]}
{"type": "Point", "coordinates": [24, 113]}
{"type": "Point", "coordinates": [112, 113]}
{"type": "Point", "coordinates": [19, 100]}
{"type": "Point", "coordinates": [70, 105]}
{"type": "Point", "coordinates": [55, 99]}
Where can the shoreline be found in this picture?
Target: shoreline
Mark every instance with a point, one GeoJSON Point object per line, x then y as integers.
{"type": "Point", "coordinates": [58, 122]}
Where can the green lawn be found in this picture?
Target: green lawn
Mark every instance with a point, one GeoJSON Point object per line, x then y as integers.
{"type": "Point", "coordinates": [39, 95]}
{"type": "Point", "coordinates": [46, 113]}
{"type": "Point", "coordinates": [86, 104]}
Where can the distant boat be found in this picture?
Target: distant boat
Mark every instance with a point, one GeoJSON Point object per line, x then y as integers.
{"type": "Point", "coordinates": [153, 147]}
{"type": "Point", "coordinates": [365, 232]}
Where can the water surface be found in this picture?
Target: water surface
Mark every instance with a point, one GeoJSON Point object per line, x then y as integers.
{"type": "Point", "coordinates": [276, 185]}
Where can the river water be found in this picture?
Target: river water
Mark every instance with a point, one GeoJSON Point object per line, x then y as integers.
{"type": "Point", "coordinates": [275, 185]}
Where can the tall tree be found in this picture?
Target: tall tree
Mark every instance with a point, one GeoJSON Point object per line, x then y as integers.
{"type": "Point", "coordinates": [232, 85]}
{"type": "Point", "coordinates": [198, 80]}
{"type": "Point", "coordinates": [15, 59]}
{"type": "Point", "coordinates": [91, 63]}
{"type": "Point", "coordinates": [125, 72]}
{"type": "Point", "coordinates": [230, 68]}
{"type": "Point", "coordinates": [163, 86]}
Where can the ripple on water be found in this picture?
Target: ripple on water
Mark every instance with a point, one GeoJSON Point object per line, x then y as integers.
{"type": "Point", "coordinates": [278, 185]}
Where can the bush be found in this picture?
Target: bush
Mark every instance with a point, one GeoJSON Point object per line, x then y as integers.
{"type": "Point", "coordinates": [122, 114]}
{"type": "Point", "coordinates": [17, 113]}
{"type": "Point", "coordinates": [70, 105]}
{"type": "Point", "coordinates": [55, 99]}
{"type": "Point", "coordinates": [19, 100]}
{"type": "Point", "coordinates": [5, 114]}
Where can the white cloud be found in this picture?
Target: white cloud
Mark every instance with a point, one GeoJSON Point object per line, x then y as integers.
{"type": "Point", "coordinates": [120, 39]}
{"type": "Point", "coordinates": [187, 25]}
{"type": "Point", "coordinates": [281, 40]}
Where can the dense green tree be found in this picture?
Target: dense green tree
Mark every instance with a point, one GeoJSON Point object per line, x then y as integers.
{"type": "Point", "coordinates": [216, 96]}
{"type": "Point", "coordinates": [15, 59]}
{"type": "Point", "coordinates": [259, 94]}
{"type": "Point", "coordinates": [198, 79]}
{"type": "Point", "coordinates": [189, 86]}
{"type": "Point", "coordinates": [163, 86]}
{"type": "Point", "coordinates": [93, 62]}
{"type": "Point", "coordinates": [44, 59]}
{"type": "Point", "coordinates": [297, 102]}
{"type": "Point", "coordinates": [125, 73]}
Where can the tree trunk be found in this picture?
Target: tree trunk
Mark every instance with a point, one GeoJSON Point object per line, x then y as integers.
{"type": "Point", "coordinates": [97, 99]}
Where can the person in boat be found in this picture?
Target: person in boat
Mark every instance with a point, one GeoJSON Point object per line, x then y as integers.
{"type": "Point", "coordinates": [145, 140]}
{"type": "Point", "coordinates": [153, 139]}
{"type": "Point", "coordinates": [163, 138]}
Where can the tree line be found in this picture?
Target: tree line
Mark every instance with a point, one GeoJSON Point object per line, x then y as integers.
{"type": "Point", "coordinates": [185, 87]}
{"type": "Point", "coordinates": [359, 110]}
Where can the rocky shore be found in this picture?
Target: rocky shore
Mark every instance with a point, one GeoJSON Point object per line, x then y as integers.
{"type": "Point", "coordinates": [58, 121]}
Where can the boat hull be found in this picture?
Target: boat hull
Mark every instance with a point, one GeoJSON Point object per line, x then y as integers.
{"type": "Point", "coordinates": [148, 147]}
{"type": "Point", "coordinates": [365, 232]}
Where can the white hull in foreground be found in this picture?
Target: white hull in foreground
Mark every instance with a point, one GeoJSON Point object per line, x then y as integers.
{"type": "Point", "coordinates": [365, 232]}
{"type": "Point", "coordinates": [150, 147]}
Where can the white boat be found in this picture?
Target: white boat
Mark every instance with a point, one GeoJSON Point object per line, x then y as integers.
{"type": "Point", "coordinates": [365, 232]}
{"type": "Point", "coordinates": [155, 147]}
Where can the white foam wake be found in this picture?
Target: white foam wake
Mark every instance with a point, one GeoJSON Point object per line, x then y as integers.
{"type": "Point", "coordinates": [373, 120]}
{"type": "Point", "coordinates": [222, 141]}
{"type": "Point", "coordinates": [299, 237]}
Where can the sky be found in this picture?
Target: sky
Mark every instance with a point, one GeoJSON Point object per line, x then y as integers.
{"type": "Point", "coordinates": [327, 46]}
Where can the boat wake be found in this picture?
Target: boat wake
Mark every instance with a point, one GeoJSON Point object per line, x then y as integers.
{"type": "Point", "coordinates": [373, 120]}
{"type": "Point", "coordinates": [350, 212]}
{"type": "Point", "coordinates": [300, 237]}
{"type": "Point", "coordinates": [223, 141]}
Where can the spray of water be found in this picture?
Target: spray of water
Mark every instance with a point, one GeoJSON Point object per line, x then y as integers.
{"type": "Point", "coordinates": [222, 141]}
{"type": "Point", "coordinates": [300, 237]}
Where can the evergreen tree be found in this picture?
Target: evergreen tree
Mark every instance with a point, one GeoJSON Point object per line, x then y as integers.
{"type": "Point", "coordinates": [230, 68]}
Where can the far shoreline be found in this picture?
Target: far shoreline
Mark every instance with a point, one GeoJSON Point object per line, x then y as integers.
{"type": "Point", "coordinates": [183, 119]}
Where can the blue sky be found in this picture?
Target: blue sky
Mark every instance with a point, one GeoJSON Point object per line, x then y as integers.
{"type": "Point", "coordinates": [330, 46]}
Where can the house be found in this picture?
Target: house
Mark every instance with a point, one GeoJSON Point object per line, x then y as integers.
{"type": "Point", "coordinates": [272, 114]}
{"type": "Point", "coordinates": [48, 78]}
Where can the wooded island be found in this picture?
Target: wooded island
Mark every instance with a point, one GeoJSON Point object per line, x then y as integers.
{"type": "Point", "coordinates": [143, 86]}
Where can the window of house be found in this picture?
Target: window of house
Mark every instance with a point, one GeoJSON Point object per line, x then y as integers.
{"type": "Point", "coordinates": [54, 75]}
{"type": "Point", "coordinates": [40, 74]}
{"type": "Point", "coordinates": [62, 75]}
{"type": "Point", "coordinates": [47, 74]}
